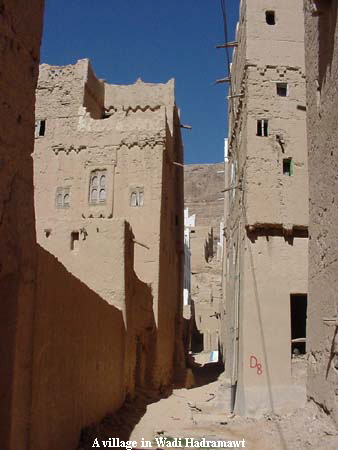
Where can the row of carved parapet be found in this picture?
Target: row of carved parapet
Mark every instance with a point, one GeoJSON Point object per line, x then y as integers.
{"type": "Point", "coordinates": [113, 109]}
{"type": "Point", "coordinates": [127, 142]}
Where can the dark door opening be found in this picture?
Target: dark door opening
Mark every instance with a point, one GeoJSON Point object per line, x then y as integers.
{"type": "Point", "coordinates": [298, 307]}
{"type": "Point", "coordinates": [196, 341]}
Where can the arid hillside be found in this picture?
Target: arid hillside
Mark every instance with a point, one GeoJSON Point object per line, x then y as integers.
{"type": "Point", "coordinates": [203, 184]}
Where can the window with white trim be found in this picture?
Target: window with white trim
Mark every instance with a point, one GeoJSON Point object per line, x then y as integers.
{"type": "Point", "coordinates": [137, 197]}
{"type": "Point", "coordinates": [40, 128]}
{"type": "Point", "coordinates": [62, 197]}
{"type": "Point", "coordinates": [98, 187]}
{"type": "Point", "coordinates": [282, 89]}
{"type": "Point", "coordinates": [263, 127]}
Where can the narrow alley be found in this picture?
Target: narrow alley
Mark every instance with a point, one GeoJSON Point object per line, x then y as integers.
{"type": "Point", "coordinates": [168, 224]}
{"type": "Point", "coordinates": [203, 412]}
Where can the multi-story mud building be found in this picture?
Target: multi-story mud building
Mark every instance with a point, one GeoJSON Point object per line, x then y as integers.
{"type": "Point", "coordinates": [321, 54]}
{"type": "Point", "coordinates": [266, 231]}
{"type": "Point", "coordinates": [109, 204]}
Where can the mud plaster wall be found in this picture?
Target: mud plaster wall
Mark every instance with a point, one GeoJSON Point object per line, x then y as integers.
{"type": "Point", "coordinates": [322, 118]}
{"type": "Point", "coordinates": [21, 26]}
{"type": "Point", "coordinates": [271, 269]}
{"type": "Point", "coordinates": [79, 355]}
{"type": "Point", "coordinates": [85, 348]}
{"type": "Point", "coordinates": [98, 257]}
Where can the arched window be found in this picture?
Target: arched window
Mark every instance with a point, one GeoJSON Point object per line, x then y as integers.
{"type": "Point", "coordinates": [93, 195]}
{"type": "Point", "coordinates": [62, 197]}
{"type": "Point", "coordinates": [66, 199]}
{"type": "Point", "coordinates": [102, 197]}
{"type": "Point", "coordinates": [97, 187]}
{"type": "Point", "coordinates": [137, 197]}
{"type": "Point", "coordinates": [59, 199]}
{"type": "Point", "coordinates": [140, 198]}
{"type": "Point", "coordinates": [133, 199]}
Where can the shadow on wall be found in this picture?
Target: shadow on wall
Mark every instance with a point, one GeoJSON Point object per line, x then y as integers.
{"type": "Point", "coordinates": [81, 364]}
{"type": "Point", "coordinates": [196, 335]}
{"type": "Point", "coordinates": [209, 246]}
{"type": "Point", "coordinates": [122, 423]}
{"type": "Point", "coordinates": [327, 25]}
{"type": "Point", "coordinates": [254, 233]}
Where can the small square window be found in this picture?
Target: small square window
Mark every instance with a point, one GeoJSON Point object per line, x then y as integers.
{"type": "Point", "coordinates": [282, 89]}
{"type": "Point", "coordinates": [263, 127]}
{"type": "Point", "coordinates": [74, 240]}
{"type": "Point", "coordinates": [288, 167]}
{"type": "Point", "coordinates": [270, 17]}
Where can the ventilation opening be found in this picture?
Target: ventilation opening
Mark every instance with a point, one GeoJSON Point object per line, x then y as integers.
{"type": "Point", "coordinates": [282, 89]}
{"type": "Point", "coordinates": [288, 167]}
{"type": "Point", "coordinates": [262, 127]}
{"type": "Point", "coordinates": [298, 308]}
{"type": "Point", "coordinates": [270, 17]}
{"type": "Point", "coordinates": [74, 240]}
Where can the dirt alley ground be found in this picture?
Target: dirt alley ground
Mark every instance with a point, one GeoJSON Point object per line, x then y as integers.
{"type": "Point", "coordinates": [203, 412]}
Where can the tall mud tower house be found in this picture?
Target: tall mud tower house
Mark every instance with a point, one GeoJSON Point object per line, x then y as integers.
{"type": "Point", "coordinates": [267, 225]}
{"type": "Point", "coordinates": [103, 153]}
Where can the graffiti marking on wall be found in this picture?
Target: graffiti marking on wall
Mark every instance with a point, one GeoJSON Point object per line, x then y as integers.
{"type": "Point", "coordinates": [255, 364]}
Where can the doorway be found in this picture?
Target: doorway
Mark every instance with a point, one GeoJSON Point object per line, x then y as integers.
{"type": "Point", "coordinates": [298, 308]}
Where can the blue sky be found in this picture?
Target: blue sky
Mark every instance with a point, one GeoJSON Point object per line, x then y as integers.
{"type": "Point", "coordinates": [155, 40]}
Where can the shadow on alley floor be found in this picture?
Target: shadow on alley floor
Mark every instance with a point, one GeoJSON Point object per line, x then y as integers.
{"type": "Point", "coordinates": [203, 411]}
{"type": "Point", "coordinates": [123, 422]}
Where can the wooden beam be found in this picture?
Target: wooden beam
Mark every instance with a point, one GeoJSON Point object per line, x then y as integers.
{"type": "Point", "coordinates": [228, 44]}
{"type": "Point", "coordinates": [223, 80]}
{"type": "Point", "coordinates": [142, 245]}
{"type": "Point", "coordinates": [294, 341]}
{"type": "Point", "coordinates": [332, 321]}
{"type": "Point", "coordinates": [235, 95]}
{"type": "Point", "coordinates": [178, 164]}
{"type": "Point", "coordinates": [238, 186]}
{"type": "Point", "coordinates": [187, 127]}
